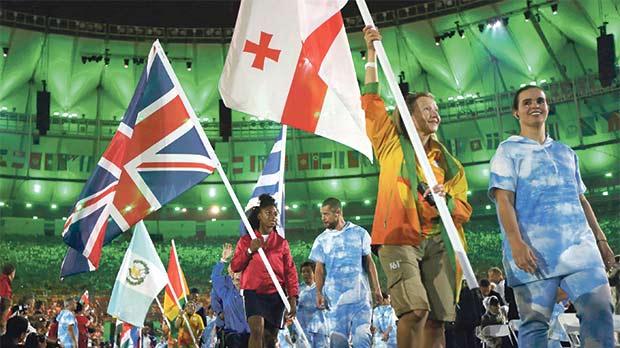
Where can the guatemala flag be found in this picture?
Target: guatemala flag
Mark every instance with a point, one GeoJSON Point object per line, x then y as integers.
{"type": "Point", "coordinates": [271, 181]}
{"type": "Point", "coordinates": [141, 277]}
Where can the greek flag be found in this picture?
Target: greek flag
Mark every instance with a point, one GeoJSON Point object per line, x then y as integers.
{"type": "Point", "coordinates": [271, 181]}
{"type": "Point", "coordinates": [141, 277]}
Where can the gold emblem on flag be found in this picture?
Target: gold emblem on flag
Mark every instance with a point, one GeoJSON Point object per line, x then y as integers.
{"type": "Point", "coordinates": [137, 272]}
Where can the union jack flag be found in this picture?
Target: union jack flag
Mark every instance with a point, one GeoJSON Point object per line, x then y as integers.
{"type": "Point", "coordinates": [158, 152]}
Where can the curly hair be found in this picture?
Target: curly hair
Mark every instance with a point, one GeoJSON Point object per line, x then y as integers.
{"type": "Point", "coordinates": [8, 268]}
{"type": "Point", "coordinates": [265, 200]}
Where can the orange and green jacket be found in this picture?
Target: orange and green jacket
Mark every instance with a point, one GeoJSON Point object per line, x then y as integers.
{"type": "Point", "coordinates": [402, 216]}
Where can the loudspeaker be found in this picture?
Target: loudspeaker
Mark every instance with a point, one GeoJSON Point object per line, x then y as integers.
{"type": "Point", "coordinates": [49, 228]}
{"type": "Point", "coordinates": [404, 88]}
{"type": "Point", "coordinates": [606, 59]}
{"type": "Point", "coordinates": [201, 230]}
{"type": "Point", "coordinates": [225, 121]}
{"type": "Point", "coordinates": [43, 112]}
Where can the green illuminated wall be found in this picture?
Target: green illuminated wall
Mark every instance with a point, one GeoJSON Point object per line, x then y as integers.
{"type": "Point", "coordinates": [470, 77]}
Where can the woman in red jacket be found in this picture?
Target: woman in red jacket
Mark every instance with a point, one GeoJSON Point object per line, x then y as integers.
{"type": "Point", "coordinates": [263, 306]}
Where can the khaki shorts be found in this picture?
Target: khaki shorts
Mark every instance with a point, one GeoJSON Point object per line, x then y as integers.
{"type": "Point", "coordinates": [420, 278]}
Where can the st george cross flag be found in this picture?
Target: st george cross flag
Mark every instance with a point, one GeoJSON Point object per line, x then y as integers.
{"type": "Point", "coordinates": [179, 285]}
{"type": "Point", "coordinates": [295, 68]}
{"type": "Point", "coordinates": [158, 152]}
{"type": "Point", "coordinates": [141, 277]}
{"type": "Point", "coordinates": [271, 181]}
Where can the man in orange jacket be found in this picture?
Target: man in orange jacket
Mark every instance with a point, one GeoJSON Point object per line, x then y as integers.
{"type": "Point", "coordinates": [421, 270]}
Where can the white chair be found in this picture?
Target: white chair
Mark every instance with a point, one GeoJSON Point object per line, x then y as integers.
{"type": "Point", "coordinates": [570, 325]}
{"type": "Point", "coordinates": [492, 331]}
{"type": "Point", "coordinates": [515, 324]}
{"type": "Point", "coordinates": [617, 329]}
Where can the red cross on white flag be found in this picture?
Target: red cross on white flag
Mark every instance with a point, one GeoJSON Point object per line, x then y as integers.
{"type": "Point", "coordinates": [261, 51]}
{"type": "Point", "coordinates": [295, 67]}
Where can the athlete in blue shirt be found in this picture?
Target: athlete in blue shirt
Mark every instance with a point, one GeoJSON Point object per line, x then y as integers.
{"type": "Point", "coordinates": [551, 236]}
{"type": "Point", "coordinates": [341, 252]}
{"type": "Point", "coordinates": [384, 321]}
{"type": "Point", "coordinates": [312, 319]}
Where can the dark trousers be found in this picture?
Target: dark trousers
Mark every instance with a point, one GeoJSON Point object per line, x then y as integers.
{"type": "Point", "coordinates": [236, 340]}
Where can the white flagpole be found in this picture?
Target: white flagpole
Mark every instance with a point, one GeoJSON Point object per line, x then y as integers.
{"type": "Point", "coordinates": [282, 164]}
{"type": "Point", "coordinates": [218, 165]}
{"type": "Point", "coordinates": [468, 272]}
{"type": "Point", "coordinates": [163, 314]}
{"type": "Point", "coordinates": [283, 206]}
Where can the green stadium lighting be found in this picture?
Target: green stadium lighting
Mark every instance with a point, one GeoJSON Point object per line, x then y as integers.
{"type": "Point", "coordinates": [605, 193]}
{"type": "Point", "coordinates": [184, 210]}
{"type": "Point", "coordinates": [200, 208]}
{"type": "Point", "coordinates": [357, 217]}
{"type": "Point", "coordinates": [36, 188]}
{"type": "Point", "coordinates": [35, 218]}
{"type": "Point", "coordinates": [213, 220]}
{"type": "Point", "coordinates": [295, 206]}
{"type": "Point", "coordinates": [468, 193]}
{"type": "Point", "coordinates": [64, 218]}
{"type": "Point", "coordinates": [28, 205]}
{"type": "Point", "coordinates": [2, 204]}
{"type": "Point", "coordinates": [215, 210]}
{"type": "Point", "coordinates": [343, 203]}
{"type": "Point", "coordinates": [487, 207]}
{"type": "Point", "coordinates": [177, 208]}
{"type": "Point", "coordinates": [212, 192]}
{"type": "Point", "coordinates": [319, 205]}
{"type": "Point", "coordinates": [286, 207]}
{"type": "Point", "coordinates": [224, 208]}
{"type": "Point", "coordinates": [54, 206]}
{"type": "Point", "coordinates": [367, 201]}
{"type": "Point", "coordinates": [608, 175]}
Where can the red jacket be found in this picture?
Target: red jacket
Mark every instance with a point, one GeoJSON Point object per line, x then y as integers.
{"type": "Point", "coordinates": [5, 287]}
{"type": "Point", "coordinates": [82, 327]}
{"type": "Point", "coordinates": [254, 275]}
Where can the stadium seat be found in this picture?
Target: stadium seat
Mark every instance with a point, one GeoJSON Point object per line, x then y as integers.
{"type": "Point", "coordinates": [570, 324]}
{"type": "Point", "coordinates": [493, 331]}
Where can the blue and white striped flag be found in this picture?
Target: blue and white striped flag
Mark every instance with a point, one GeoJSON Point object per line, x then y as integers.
{"type": "Point", "coordinates": [271, 181]}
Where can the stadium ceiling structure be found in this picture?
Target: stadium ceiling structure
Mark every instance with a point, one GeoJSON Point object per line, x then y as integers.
{"type": "Point", "coordinates": [471, 54]}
